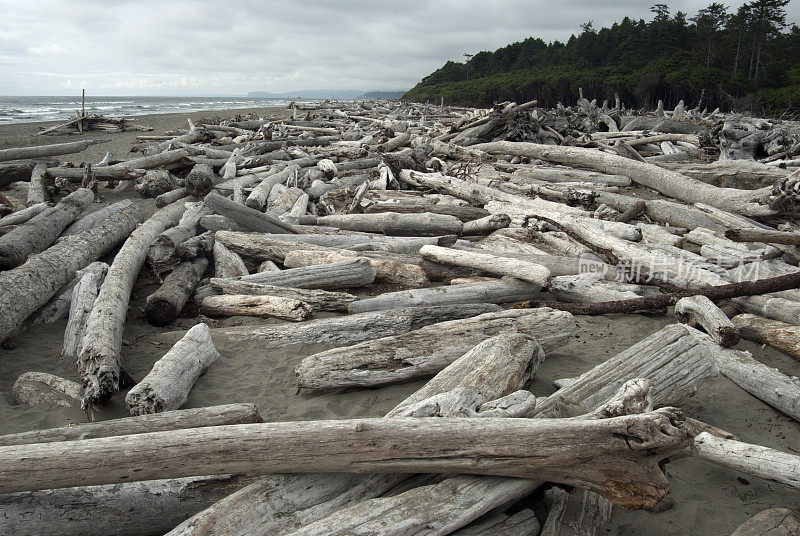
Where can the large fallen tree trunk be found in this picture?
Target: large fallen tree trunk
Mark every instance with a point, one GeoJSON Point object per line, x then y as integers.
{"type": "Point", "coordinates": [165, 304]}
{"type": "Point", "coordinates": [616, 457]}
{"type": "Point", "coordinates": [58, 307]}
{"type": "Point", "coordinates": [130, 169]}
{"type": "Point", "coordinates": [391, 223]}
{"type": "Point", "coordinates": [780, 335]}
{"type": "Point", "coordinates": [669, 183]}
{"type": "Point", "coordinates": [386, 270]}
{"type": "Point", "coordinates": [21, 216]}
{"type": "Point", "coordinates": [260, 306]}
{"type": "Point", "coordinates": [20, 153]}
{"type": "Point", "coordinates": [90, 220]}
{"type": "Point", "coordinates": [425, 351]}
{"type": "Point", "coordinates": [659, 301]}
{"type": "Point", "coordinates": [503, 291]}
{"type": "Point", "coordinates": [167, 385]}
{"type": "Point", "coordinates": [277, 504]}
{"type": "Point", "coordinates": [38, 233]}
{"type": "Point", "coordinates": [20, 170]}
{"type": "Point", "coordinates": [141, 424]}
{"type": "Point", "coordinates": [30, 286]}
{"type": "Point", "coordinates": [100, 360]}
{"type": "Point", "coordinates": [130, 509]}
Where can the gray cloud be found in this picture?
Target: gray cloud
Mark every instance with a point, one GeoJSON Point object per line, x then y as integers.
{"type": "Point", "coordinates": [205, 47]}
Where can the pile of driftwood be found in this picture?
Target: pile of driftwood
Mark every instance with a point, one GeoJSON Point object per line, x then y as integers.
{"type": "Point", "coordinates": [419, 225]}
{"type": "Point", "coordinates": [93, 122]}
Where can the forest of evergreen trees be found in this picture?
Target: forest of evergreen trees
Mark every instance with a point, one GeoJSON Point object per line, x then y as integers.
{"type": "Point", "coordinates": [747, 60]}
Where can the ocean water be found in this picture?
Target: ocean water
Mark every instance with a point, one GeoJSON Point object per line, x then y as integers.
{"type": "Point", "coordinates": [30, 109]}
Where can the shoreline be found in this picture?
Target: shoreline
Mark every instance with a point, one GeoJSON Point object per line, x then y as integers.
{"type": "Point", "coordinates": [118, 143]}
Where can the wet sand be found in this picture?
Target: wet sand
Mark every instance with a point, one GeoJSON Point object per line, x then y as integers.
{"type": "Point", "coordinates": [709, 500]}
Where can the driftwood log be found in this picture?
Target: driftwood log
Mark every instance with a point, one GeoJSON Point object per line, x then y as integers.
{"type": "Point", "coordinates": [771, 522]}
{"type": "Point", "coordinates": [226, 262]}
{"type": "Point", "coordinates": [58, 308]}
{"type": "Point", "coordinates": [247, 217]}
{"type": "Point", "coordinates": [167, 385]}
{"type": "Point", "coordinates": [90, 220]}
{"type": "Point", "coordinates": [390, 223]}
{"type": "Point", "coordinates": [319, 300]}
{"type": "Point", "coordinates": [344, 274]}
{"type": "Point", "coordinates": [20, 153]}
{"type": "Point", "coordinates": [83, 297]}
{"type": "Point", "coordinates": [262, 306]}
{"type": "Point", "coordinates": [38, 233]}
{"type": "Point", "coordinates": [700, 311]}
{"type": "Point", "coordinates": [780, 335]}
{"type": "Point", "coordinates": [386, 270]}
{"type": "Point", "coordinates": [526, 271]}
{"type": "Point", "coordinates": [30, 286]}
{"type": "Point", "coordinates": [99, 362]}
{"type": "Point", "coordinates": [165, 304]}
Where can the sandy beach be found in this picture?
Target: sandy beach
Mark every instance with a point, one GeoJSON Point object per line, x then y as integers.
{"type": "Point", "coordinates": [708, 499]}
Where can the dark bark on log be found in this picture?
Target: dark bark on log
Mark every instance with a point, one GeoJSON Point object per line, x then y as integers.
{"type": "Point", "coordinates": [20, 170]}
{"type": "Point", "coordinates": [38, 233]}
{"type": "Point", "coordinates": [164, 305]}
{"type": "Point", "coordinates": [30, 286]}
{"type": "Point", "coordinates": [633, 212]}
{"type": "Point", "coordinates": [659, 301]}
{"type": "Point", "coordinates": [771, 237]}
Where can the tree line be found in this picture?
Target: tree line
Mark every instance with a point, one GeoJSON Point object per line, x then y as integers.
{"type": "Point", "coordinates": [732, 60]}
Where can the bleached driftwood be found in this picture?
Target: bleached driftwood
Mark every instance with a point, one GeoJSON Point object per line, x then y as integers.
{"type": "Point", "coordinates": [700, 311]}
{"type": "Point", "coordinates": [780, 335]}
{"type": "Point", "coordinates": [30, 286]}
{"type": "Point", "coordinates": [258, 197]}
{"type": "Point", "coordinates": [247, 217]}
{"type": "Point", "coordinates": [170, 197]}
{"type": "Point", "coordinates": [43, 389]}
{"type": "Point", "coordinates": [386, 271]}
{"type": "Point", "coordinates": [58, 308]}
{"type": "Point", "coordinates": [19, 153]}
{"type": "Point", "coordinates": [770, 522]}
{"type": "Point", "coordinates": [588, 288]}
{"type": "Point", "coordinates": [99, 362]}
{"type": "Point", "coordinates": [754, 460]}
{"type": "Point", "coordinates": [464, 213]}
{"type": "Point", "coordinates": [319, 300]}
{"type": "Point", "coordinates": [83, 296]}
{"type": "Point", "coordinates": [199, 180]}
{"type": "Point", "coordinates": [344, 274]}
{"type": "Point", "coordinates": [579, 512]}
{"type": "Point", "coordinates": [39, 232]}
{"type": "Point", "coordinates": [165, 304]}
{"type": "Point", "coordinates": [425, 351]}
{"type": "Point", "coordinates": [261, 306]}
{"type": "Point", "coordinates": [227, 263]}
{"type": "Point", "coordinates": [90, 220]}
{"type": "Point", "coordinates": [37, 191]}
{"type": "Point", "coordinates": [167, 385]}
{"type": "Point", "coordinates": [391, 223]}
{"type": "Point", "coordinates": [533, 273]}
{"type": "Point", "coordinates": [503, 291]}
{"type": "Point", "coordinates": [167, 242]}
{"type": "Point", "coordinates": [523, 523]}
{"type": "Point", "coordinates": [23, 215]}
{"type": "Point", "coordinates": [141, 424]}
{"type": "Point", "coordinates": [781, 309]}
{"type": "Point", "coordinates": [486, 224]}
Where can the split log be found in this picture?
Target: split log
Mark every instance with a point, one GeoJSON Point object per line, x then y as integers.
{"type": "Point", "coordinates": [43, 389]}
{"type": "Point", "coordinates": [765, 383]}
{"type": "Point", "coordinates": [258, 197]}
{"type": "Point", "coordinates": [714, 293]}
{"type": "Point", "coordinates": [141, 424]}
{"type": "Point", "coordinates": [31, 285]}
{"type": "Point", "coordinates": [356, 328]}
{"type": "Point", "coordinates": [533, 273]}
{"type": "Point", "coordinates": [21, 153]}
{"type": "Point", "coordinates": [771, 522]}
{"type": "Point", "coordinates": [780, 335]}
{"type": "Point", "coordinates": [167, 385]}
{"type": "Point", "coordinates": [344, 274]}
{"type": "Point", "coordinates": [99, 362]}
{"type": "Point", "coordinates": [279, 503]}
{"type": "Point", "coordinates": [386, 271]}
{"type": "Point", "coordinates": [765, 236]}
{"type": "Point", "coordinates": [227, 263]}
{"type": "Point", "coordinates": [37, 191]}
{"type": "Point", "coordinates": [58, 308]}
{"type": "Point", "coordinates": [165, 304]}
{"type": "Point", "coordinates": [700, 311]}
{"type": "Point", "coordinates": [503, 291]}
{"type": "Point", "coordinates": [83, 297]}
{"type": "Point", "coordinates": [247, 217]}
{"type": "Point", "coordinates": [486, 225]}
{"type": "Point", "coordinates": [261, 306]}
{"type": "Point", "coordinates": [38, 233]}
{"type": "Point", "coordinates": [753, 460]}
{"type": "Point", "coordinates": [391, 223]}
{"type": "Point", "coordinates": [21, 216]}
{"type": "Point", "coordinates": [319, 300]}
{"type": "Point", "coordinates": [595, 454]}
{"type": "Point", "coordinates": [200, 180]}
{"type": "Point", "coordinates": [90, 220]}
{"type": "Point", "coordinates": [426, 351]}
{"type": "Point", "coordinates": [164, 246]}
{"type": "Point", "coordinates": [129, 509]}
{"type": "Point", "coordinates": [669, 183]}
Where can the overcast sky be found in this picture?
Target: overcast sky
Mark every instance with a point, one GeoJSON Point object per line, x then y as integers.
{"type": "Point", "coordinates": [223, 47]}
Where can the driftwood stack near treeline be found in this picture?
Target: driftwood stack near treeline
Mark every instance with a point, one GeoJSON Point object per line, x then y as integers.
{"type": "Point", "coordinates": [444, 244]}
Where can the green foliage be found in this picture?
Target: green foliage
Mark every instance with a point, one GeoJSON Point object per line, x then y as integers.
{"type": "Point", "coordinates": [715, 58]}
